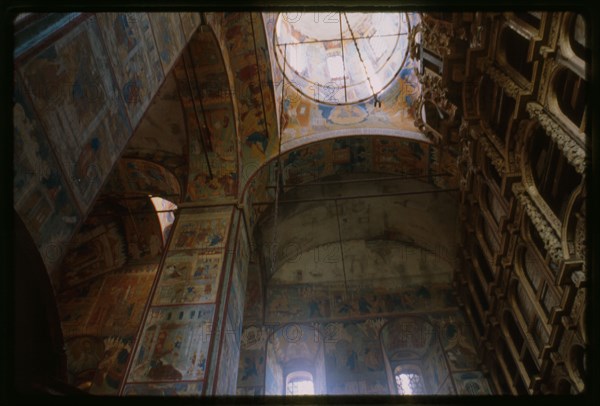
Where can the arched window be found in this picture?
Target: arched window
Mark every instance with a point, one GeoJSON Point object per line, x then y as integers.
{"type": "Point", "coordinates": [299, 383]}
{"type": "Point", "coordinates": [409, 380]}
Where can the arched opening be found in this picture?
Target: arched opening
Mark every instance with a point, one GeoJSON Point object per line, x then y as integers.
{"type": "Point", "coordinates": [570, 91]}
{"type": "Point", "coordinates": [578, 36]}
{"type": "Point", "coordinates": [295, 362]}
{"type": "Point", "coordinates": [495, 107]}
{"type": "Point", "coordinates": [514, 48]}
{"type": "Point", "coordinates": [299, 383]}
{"type": "Point", "coordinates": [554, 177]}
{"type": "Point", "coordinates": [409, 380]}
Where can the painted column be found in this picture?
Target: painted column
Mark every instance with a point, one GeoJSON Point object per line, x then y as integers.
{"type": "Point", "coordinates": [189, 338]}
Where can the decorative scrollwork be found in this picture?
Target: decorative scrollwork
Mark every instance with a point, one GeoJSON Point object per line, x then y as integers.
{"type": "Point", "coordinates": [511, 88]}
{"type": "Point", "coordinates": [493, 155]}
{"type": "Point", "coordinates": [549, 237]}
{"type": "Point", "coordinates": [464, 162]}
{"type": "Point", "coordinates": [574, 153]}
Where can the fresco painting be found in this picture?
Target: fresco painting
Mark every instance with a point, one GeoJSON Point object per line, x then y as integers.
{"type": "Point", "coordinates": [40, 193]}
{"type": "Point", "coordinates": [143, 232]}
{"type": "Point", "coordinates": [95, 251]}
{"type": "Point", "coordinates": [228, 361]}
{"type": "Point", "coordinates": [253, 302]}
{"type": "Point", "coordinates": [353, 358]}
{"type": "Point", "coordinates": [86, 119]}
{"type": "Point", "coordinates": [134, 57]}
{"type": "Point", "coordinates": [237, 295]}
{"type": "Point", "coordinates": [458, 344]}
{"type": "Point", "coordinates": [84, 353]}
{"type": "Point", "coordinates": [111, 368]}
{"type": "Point", "coordinates": [247, 52]}
{"type": "Point", "coordinates": [223, 161]}
{"type": "Point", "coordinates": [169, 36]}
{"type": "Point", "coordinates": [121, 300]}
{"type": "Point", "coordinates": [189, 278]}
{"type": "Point", "coordinates": [189, 22]}
{"type": "Point", "coordinates": [140, 176]}
{"type": "Point", "coordinates": [400, 156]}
{"type": "Point", "coordinates": [99, 320]}
{"type": "Point", "coordinates": [203, 231]}
{"type": "Point", "coordinates": [435, 369]}
{"type": "Point", "coordinates": [251, 368]}
{"type": "Point", "coordinates": [346, 155]}
{"type": "Point", "coordinates": [312, 302]}
{"type": "Point", "coordinates": [471, 383]}
{"type": "Point", "coordinates": [209, 117]}
{"type": "Point", "coordinates": [307, 120]}
{"type": "Point", "coordinates": [173, 344]}
{"type": "Point", "coordinates": [108, 305]}
{"type": "Point", "coordinates": [274, 384]}
{"type": "Point", "coordinates": [164, 389]}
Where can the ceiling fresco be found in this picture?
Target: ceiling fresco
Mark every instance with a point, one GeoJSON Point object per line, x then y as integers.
{"type": "Point", "coordinates": [305, 120]}
{"type": "Point", "coordinates": [350, 155]}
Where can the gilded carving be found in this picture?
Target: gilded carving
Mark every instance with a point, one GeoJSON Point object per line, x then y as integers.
{"type": "Point", "coordinates": [574, 153]}
{"type": "Point", "coordinates": [465, 162]}
{"type": "Point", "coordinates": [493, 155]}
{"type": "Point", "coordinates": [436, 93]}
{"type": "Point", "coordinates": [551, 241]}
{"type": "Point", "coordinates": [436, 35]}
{"type": "Point", "coordinates": [580, 245]}
{"type": "Point", "coordinates": [503, 80]}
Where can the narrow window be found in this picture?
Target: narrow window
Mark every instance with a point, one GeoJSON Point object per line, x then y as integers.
{"type": "Point", "coordinates": [409, 381]}
{"type": "Point", "coordinates": [299, 383]}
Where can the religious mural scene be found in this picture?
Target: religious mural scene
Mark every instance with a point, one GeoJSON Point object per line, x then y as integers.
{"type": "Point", "coordinates": [384, 203]}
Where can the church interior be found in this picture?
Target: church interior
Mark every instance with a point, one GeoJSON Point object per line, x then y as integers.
{"type": "Point", "coordinates": [301, 203]}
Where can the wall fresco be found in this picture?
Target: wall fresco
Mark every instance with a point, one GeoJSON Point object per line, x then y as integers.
{"type": "Point", "coordinates": [471, 383]}
{"type": "Point", "coordinates": [304, 120]}
{"type": "Point", "coordinates": [110, 305]}
{"type": "Point", "coordinates": [164, 389]}
{"type": "Point", "coordinates": [295, 303]}
{"type": "Point", "coordinates": [204, 231]}
{"type": "Point", "coordinates": [173, 344]}
{"type": "Point", "coordinates": [189, 23]}
{"type": "Point", "coordinates": [253, 303]}
{"type": "Point", "coordinates": [142, 231]}
{"type": "Point", "coordinates": [99, 319]}
{"type": "Point", "coordinates": [202, 82]}
{"type": "Point", "coordinates": [97, 249]}
{"type": "Point", "coordinates": [132, 51]}
{"type": "Point", "coordinates": [76, 96]}
{"type": "Point", "coordinates": [41, 196]}
{"type": "Point", "coordinates": [189, 277]}
{"type": "Point", "coordinates": [247, 50]}
{"type": "Point", "coordinates": [353, 358]}
{"type": "Point", "coordinates": [169, 37]}
{"type": "Point", "coordinates": [228, 360]}
{"type": "Point", "coordinates": [139, 176]}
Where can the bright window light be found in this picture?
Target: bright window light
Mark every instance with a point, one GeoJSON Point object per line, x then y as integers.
{"type": "Point", "coordinates": [409, 382]}
{"type": "Point", "coordinates": [299, 383]}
